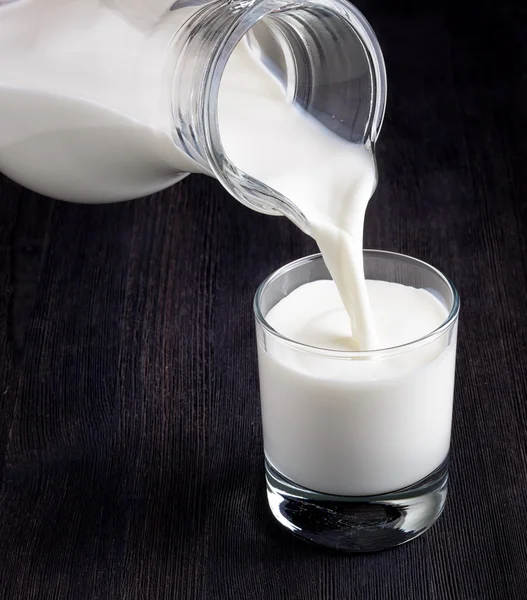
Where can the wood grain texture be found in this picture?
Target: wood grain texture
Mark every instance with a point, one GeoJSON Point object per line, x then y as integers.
{"type": "Point", "coordinates": [130, 440]}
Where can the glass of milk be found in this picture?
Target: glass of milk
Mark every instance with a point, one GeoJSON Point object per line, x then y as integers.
{"type": "Point", "coordinates": [356, 443]}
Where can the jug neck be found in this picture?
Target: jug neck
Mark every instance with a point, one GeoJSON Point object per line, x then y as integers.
{"type": "Point", "coordinates": [324, 52]}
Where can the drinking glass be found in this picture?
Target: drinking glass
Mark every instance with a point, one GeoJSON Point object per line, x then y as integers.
{"type": "Point", "coordinates": [357, 462]}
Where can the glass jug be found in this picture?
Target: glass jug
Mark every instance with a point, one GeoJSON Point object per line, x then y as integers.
{"type": "Point", "coordinates": [69, 140]}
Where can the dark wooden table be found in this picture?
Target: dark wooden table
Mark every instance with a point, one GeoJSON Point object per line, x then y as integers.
{"type": "Point", "coordinates": [130, 439]}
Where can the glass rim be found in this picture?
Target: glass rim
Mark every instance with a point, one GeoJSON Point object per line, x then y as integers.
{"type": "Point", "coordinates": [356, 354]}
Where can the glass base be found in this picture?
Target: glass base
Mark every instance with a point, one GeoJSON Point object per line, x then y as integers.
{"type": "Point", "coordinates": [357, 524]}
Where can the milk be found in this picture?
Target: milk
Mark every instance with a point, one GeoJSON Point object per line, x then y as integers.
{"type": "Point", "coordinates": [85, 115]}
{"type": "Point", "coordinates": [356, 427]}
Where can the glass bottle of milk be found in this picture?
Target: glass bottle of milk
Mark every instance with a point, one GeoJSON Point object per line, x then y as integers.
{"type": "Point", "coordinates": [109, 100]}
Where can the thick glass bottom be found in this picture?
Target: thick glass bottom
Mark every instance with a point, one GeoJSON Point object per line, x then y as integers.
{"type": "Point", "coordinates": [357, 524]}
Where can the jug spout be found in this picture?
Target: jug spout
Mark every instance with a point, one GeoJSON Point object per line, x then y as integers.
{"type": "Point", "coordinates": [320, 57]}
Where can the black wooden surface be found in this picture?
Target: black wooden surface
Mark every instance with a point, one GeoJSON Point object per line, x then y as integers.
{"type": "Point", "coordinates": [130, 440]}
